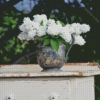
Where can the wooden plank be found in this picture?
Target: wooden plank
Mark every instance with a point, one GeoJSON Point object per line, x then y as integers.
{"type": "Point", "coordinates": [34, 70]}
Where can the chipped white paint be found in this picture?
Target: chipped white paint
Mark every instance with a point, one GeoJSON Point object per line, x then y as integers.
{"type": "Point", "coordinates": [54, 74]}
{"type": "Point", "coordinates": [34, 70]}
{"type": "Point", "coordinates": [11, 74]}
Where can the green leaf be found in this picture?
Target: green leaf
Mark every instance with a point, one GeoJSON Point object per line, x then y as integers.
{"type": "Point", "coordinates": [57, 23]}
{"type": "Point", "coordinates": [73, 18]}
{"type": "Point", "coordinates": [13, 22]}
{"type": "Point", "coordinates": [41, 23]}
{"type": "Point", "coordinates": [61, 41]}
{"type": "Point", "coordinates": [67, 58]}
{"type": "Point", "coordinates": [1, 51]}
{"type": "Point", "coordinates": [54, 44]}
{"type": "Point", "coordinates": [6, 23]}
{"type": "Point", "coordinates": [98, 98]}
{"type": "Point", "coordinates": [12, 12]}
{"type": "Point", "coordinates": [62, 23]}
{"type": "Point", "coordinates": [7, 19]}
{"type": "Point", "coordinates": [5, 59]}
{"type": "Point", "coordinates": [85, 36]}
{"type": "Point", "coordinates": [35, 41]}
{"type": "Point", "coordinates": [94, 52]}
{"type": "Point", "coordinates": [82, 50]}
{"type": "Point", "coordinates": [6, 14]}
{"type": "Point", "coordinates": [52, 16]}
{"type": "Point", "coordinates": [98, 88]}
{"type": "Point", "coordinates": [16, 19]}
{"type": "Point", "coordinates": [46, 42]}
{"type": "Point", "coordinates": [5, 29]}
{"type": "Point", "coordinates": [46, 36]}
{"type": "Point", "coordinates": [57, 37]}
{"type": "Point", "coordinates": [41, 38]}
{"type": "Point", "coordinates": [93, 60]}
{"type": "Point", "coordinates": [1, 29]}
{"type": "Point", "coordinates": [13, 26]}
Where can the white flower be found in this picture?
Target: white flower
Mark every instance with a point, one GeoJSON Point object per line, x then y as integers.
{"type": "Point", "coordinates": [26, 20]}
{"type": "Point", "coordinates": [21, 27]}
{"type": "Point", "coordinates": [75, 28]}
{"type": "Point", "coordinates": [64, 33]}
{"type": "Point", "coordinates": [31, 30]}
{"type": "Point", "coordinates": [31, 33]}
{"type": "Point", "coordinates": [50, 21]}
{"type": "Point", "coordinates": [78, 40]}
{"type": "Point", "coordinates": [22, 36]}
{"type": "Point", "coordinates": [28, 25]}
{"type": "Point", "coordinates": [58, 23]}
{"type": "Point", "coordinates": [53, 29]}
{"type": "Point", "coordinates": [68, 26]}
{"type": "Point", "coordinates": [38, 18]}
{"type": "Point", "coordinates": [85, 28]}
{"type": "Point", "coordinates": [35, 25]}
{"type": "Point", "coordinates": [41, 31]}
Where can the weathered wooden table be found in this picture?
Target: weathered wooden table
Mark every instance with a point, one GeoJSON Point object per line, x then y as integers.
{"type": "Point", "coordinates": [27, 82]}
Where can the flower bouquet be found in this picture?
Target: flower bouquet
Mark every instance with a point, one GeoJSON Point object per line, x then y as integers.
{"type": "Point", "coordinates": [52, 34]}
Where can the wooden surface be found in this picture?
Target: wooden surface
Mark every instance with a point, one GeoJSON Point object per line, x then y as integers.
{"type": "Point", "coordinates": [21, 85]}
{"type": "Point", "coordinates": [64, 88]}
{"type": "Point", "coordinates": [34, 70]}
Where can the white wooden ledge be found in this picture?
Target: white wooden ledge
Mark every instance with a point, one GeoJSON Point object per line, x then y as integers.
{"type": "Point", "coordinates": [34, 70]}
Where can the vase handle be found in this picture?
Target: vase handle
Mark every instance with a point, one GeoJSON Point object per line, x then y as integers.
{"type": "Point", "coordinates": [73, 40]}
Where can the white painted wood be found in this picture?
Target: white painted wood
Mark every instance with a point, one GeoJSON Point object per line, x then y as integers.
{"type": "Point", "coordinates": [27, 82]}
{"type": "Point", "coordinates": [35, 89]}
{"type": "Point", "coordinates": [62, 88]}
{"type": "Point", "coordinates": [34, 70]}
{"type": "Point", "coordinates": [82, 88]}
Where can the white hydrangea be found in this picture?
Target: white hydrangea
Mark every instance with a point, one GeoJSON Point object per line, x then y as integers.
{"type": "Point", "coordinates": [85, 28]}
{"type": "Point", "coordinates": [78, 40]}
{"type": "Point", "coordinates": [38, 18]}
{"type": "Point", "coordinates": [64, 33]}
{"type": "Point", "coordinates": [53, 29]}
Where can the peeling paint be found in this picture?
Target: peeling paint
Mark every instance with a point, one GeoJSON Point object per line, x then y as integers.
{"type": "Point", "coordinates": [34, 70]}
{"type": "Point", "coordinates": [12, 75]}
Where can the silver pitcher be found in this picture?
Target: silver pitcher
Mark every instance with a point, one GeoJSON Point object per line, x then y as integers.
{"type": "Point", "coordinates": [49, 59]}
